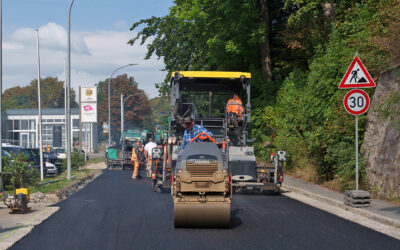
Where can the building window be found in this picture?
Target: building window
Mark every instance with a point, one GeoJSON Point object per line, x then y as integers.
{"type": "Point", "coordinates": [75, 123]}
{"type": "Point", "coordinates": [32, 124]}
{"type": "Point", "coordinates": [9, 124]}
{"type": "Point", "coordinates": [57, 120]}
{"type": "Point", "coordinates": [16, 124]}
{"type": "Point", "coordinates": [50, 120]}
{"type": "Point", "coordinates": [16, 137]}
{"type": "Point", "coordinates": [24, 124]}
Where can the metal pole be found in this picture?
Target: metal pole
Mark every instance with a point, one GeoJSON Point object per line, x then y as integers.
{"type": "Point", "coordinates": [356, 152]}
{"type": "Point", "coordinates": [122, 113]}
{"type": "Point", "coordinates": [69, 96]}
{"type": "Point", "coordinates": [122, 117]}
{"type": "Point", "coordinates": [65, 103]}
{"type": "Point", "coordinates": [80, 119]}
{"type": "Point", "coordinates": [86, 139]}
{"type": "Point", "coordinates": [109, 112]}
{"type": "Point", "coordinates": [39, 107]}
{"type": "Point", "coordinates": [1, 90]}
{"type": "Point", "coordinates": [109, 98]}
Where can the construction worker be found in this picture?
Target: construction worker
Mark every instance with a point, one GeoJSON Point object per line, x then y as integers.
{"type": "Point", "coordinates": [148, 153]}
{"type": "Point", "coordinates": [235, 106]}
{"type": "Point", "coordinates": [135, 159]}
{"type": "Point", "coordinates": [192, 130]}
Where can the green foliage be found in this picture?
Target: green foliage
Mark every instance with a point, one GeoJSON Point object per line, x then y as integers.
{"type": "Point", "coordinates": [205, 35]}
{"type": "Point", "coordinates": [311, 45]}
{"type": "Point", "coordinates": [160, 111]}
{"type": "Point", "coordinates": [23, 175]}
{"type": "Point", "coordinates": [52, 95]}
{"type": "Point", "coordinates": [137, 110]}
{"type": "Point", "coordinates": [77, 161]}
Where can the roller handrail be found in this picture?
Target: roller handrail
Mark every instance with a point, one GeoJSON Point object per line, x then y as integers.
{"type": "Point", "coordinates": [203, 136]}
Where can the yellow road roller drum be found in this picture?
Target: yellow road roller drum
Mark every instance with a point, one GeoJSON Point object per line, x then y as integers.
{"type": "Point", "coordinates": [202, 187]}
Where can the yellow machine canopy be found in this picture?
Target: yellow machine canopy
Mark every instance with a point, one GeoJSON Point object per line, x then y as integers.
{"type": "Point", "coordinates": [215, 81]}
{"type": "Point", "coordinates": [212, 74]}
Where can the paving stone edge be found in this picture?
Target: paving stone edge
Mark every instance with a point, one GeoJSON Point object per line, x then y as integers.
{"type": "Point", "coordinates": [340, 204]}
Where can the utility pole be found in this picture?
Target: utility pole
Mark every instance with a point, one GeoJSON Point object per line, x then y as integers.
{"type": "Point", "coordinates": [80, 120]}
{"type": "Point", "coordinates": [109, 98]}
{"type": "Point", "coordinates": [122, 122]}
{"type": "Point", "coordinates": [68, 131]}
{"type": "Point", "coordinates": [122, 113]}
{"type": "Point", "coordinates": [39, 107]}
{"type": "Point", "coordinates": [65, 103]}
{"type": "Point", "coordinates": [1, 89]}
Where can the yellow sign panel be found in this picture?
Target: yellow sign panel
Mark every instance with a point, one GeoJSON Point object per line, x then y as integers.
{"type": "Point", "coordinates": [89, 92]}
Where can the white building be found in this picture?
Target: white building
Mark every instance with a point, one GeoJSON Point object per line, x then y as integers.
{"type": "Point", "coordinates": [21, 126]}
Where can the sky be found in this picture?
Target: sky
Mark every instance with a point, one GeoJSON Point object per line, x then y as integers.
{"type": "Point", "coordinates": [99, 36]}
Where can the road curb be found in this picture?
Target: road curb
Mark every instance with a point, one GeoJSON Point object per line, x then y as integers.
{"type": "Point", "coordinates": [340, 204]}
{"type": "Point", "coordinates": [77, 185]}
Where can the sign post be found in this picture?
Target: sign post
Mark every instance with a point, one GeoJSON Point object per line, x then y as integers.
{"type": "Point", "coordinates": [88, 111]}
{"type": "Point", "coordinates": [356, 102]}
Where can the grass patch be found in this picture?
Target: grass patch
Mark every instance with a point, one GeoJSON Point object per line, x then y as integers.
{"type": "Point", "coordinates": [396, 200]}
{"type": "Point", "coordinates": [49, 187]}
{"type": "Point", "coordinates": [95, 160]}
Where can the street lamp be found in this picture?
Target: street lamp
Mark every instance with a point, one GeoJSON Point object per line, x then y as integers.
{"type": "Point", "coordinates": [122, 109]}
{"type": "Point", "coordinates": [1, 87]}
{"type": "Point", "coordinates": [122, 117]}
{"type": "Point", "coordinates": [109, 98]}
{"type": "Point", "coordinates": [68, 109]}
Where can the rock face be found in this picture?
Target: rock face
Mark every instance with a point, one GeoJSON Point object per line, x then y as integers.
{"type": "Point", "coordinates": [381, 146]}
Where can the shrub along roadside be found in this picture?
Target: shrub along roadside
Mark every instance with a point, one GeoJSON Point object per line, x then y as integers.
{"type": "Point", "coordinates": [77, 161]}
{"type": "Point", "coordinates": [23, 174]}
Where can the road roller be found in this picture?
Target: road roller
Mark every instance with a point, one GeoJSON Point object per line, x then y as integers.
{"type": "Point", "coordinates": [201, 185]}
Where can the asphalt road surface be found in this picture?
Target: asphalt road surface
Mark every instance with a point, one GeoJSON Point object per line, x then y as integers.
{"type": "Point", "coordinates": [115, 212]}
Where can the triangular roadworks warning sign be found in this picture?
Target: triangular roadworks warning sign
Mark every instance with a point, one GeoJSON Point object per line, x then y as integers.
{"type": "Point", "coordinates": [357, 76]}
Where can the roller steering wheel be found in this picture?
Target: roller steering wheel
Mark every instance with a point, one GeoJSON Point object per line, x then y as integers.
{"type": "Point", "coordinates": [203, 136]}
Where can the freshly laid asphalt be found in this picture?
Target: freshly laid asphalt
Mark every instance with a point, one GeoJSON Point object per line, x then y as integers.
{"type": "Point", "coordinates": [115, 212]}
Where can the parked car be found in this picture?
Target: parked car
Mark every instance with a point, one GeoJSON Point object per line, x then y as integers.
{"type": "Point", "coordinates": [32, 154]}
{"type": "Point", "coordinates": [11, 149]}
{"type": "Point", "coordinates": [52, 169]}
{"type": "Point", "coordinates": [5, 153]}
{"type": "Point", "coordinates": [60, 153]}
{"type": "Point", "coordinates": [52, 158]}
{"type": "Point", "coordinates": [34, 159]}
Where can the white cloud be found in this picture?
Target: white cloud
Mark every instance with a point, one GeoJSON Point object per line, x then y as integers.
{"type": "Point", "coordinates": [51, 36]}
{"type": "Point", "coordinates": [95, 56]}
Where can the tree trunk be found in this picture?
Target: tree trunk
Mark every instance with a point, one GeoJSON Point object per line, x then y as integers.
{"type": "Point", "coordinates": [265, 46]}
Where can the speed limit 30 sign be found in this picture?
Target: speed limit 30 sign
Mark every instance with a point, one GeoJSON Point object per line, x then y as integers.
{"type": "Point", "coordinates": [356, 101]}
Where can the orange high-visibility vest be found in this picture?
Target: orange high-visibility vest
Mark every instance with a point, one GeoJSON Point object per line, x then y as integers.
{"type": "Point", "coordinates": [234, 105]}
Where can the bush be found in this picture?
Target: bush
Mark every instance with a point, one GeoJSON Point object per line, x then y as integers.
{"type": "Point", "coordinates": [23, 174]}
{"type": "Point", "coordinates": [77, 160]}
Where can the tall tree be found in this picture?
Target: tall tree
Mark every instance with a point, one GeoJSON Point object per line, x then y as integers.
{"type": "Point", "coordinates": [206, 35]}
{"type": "Point", "coordinates": [52, 95]}
{"type": "Point", "coordinates": [137, 108]}
{"type": "Point", "coordinates": [265, 46]}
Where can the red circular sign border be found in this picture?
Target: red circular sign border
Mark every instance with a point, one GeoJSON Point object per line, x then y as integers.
{"type": "Point", "coordinates": [362, 92]}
